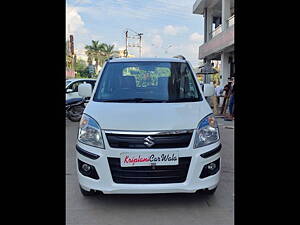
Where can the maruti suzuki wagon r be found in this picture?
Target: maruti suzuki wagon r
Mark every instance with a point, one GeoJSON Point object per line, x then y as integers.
{"type": "Point", "coordinates": [147, 129]}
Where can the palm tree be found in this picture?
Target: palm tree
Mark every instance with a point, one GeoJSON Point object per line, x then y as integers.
{"type": "Point", "coordinates": [107, 50]}
{"type": "Point", "coordinates": [90, 56]}
{"type": "Point", "coordinates": [99, 52]}
{"type": "Point", "coordinates": [94, 52]}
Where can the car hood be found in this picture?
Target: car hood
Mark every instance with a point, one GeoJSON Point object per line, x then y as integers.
{"type": "Point", "coordinates": [147, 116]}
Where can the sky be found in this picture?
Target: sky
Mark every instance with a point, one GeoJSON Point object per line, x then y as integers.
{"type": "Point", "coordinates": [169, 27]}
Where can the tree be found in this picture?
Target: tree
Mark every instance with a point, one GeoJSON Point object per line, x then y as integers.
{"type": "Point", "coordinates": [80, 65]}
{"type": "Point", "coordinates": [108, 50]}
{"type": "Point", "coordinates": [99, 52]}
{"type": "Point", "coordinates": [81, 68]}
{"type": "Point", "coordinates": [94, 52]}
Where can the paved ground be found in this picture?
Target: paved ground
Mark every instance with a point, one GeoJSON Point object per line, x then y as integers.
{"type": "Point", "coordinates": [159, 209]}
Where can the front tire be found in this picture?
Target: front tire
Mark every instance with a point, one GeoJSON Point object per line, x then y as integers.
{"type": "Point", "coordinates": [75, 113]}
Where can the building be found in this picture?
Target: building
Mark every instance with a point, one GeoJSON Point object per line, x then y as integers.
{"type": "Point", "coordinates": [80, 54]}
{"type": "Point", "coordinates": [70, 58]}
{"type": "Point", "coordinates": [218, 34]}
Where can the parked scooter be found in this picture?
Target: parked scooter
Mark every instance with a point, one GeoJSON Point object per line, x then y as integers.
{"type": "Point", "coordinates": [75, 108]}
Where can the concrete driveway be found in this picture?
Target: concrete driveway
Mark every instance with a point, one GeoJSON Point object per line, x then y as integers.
{"type": "Point", "coordinates": [157, 209]}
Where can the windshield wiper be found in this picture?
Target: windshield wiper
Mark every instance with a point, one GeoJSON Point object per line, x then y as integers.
{"type": "Point", "coordinates": [140, 100]}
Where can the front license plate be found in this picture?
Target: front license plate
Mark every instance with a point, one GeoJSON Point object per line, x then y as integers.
{"type": "Point", "coordinates": [149, 159]}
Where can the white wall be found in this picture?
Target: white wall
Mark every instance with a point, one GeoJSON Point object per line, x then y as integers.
{"type": "Point", "coordinates": [225, 68]}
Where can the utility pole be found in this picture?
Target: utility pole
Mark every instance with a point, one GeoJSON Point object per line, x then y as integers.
{"type": "Point", "coordinates": [126, 48]}
{"type": "Point", "coordinates": [138, 45]}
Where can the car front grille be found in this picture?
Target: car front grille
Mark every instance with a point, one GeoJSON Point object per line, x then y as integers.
{"type": "Point", "coordinates": [180, 140]}
{"type": "Point", "coordinates": [149, 174]}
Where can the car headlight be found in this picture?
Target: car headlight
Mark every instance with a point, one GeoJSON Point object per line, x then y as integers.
{"type": "Point", "coordinates": [207, 132]}
{"type": "Point", "coordinates": [90, 132]}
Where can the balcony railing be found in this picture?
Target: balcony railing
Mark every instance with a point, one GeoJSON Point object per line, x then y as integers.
{"type": "Point", "coordinates": [216, 31]}
{"type": "Point", "coordinates": [230, 21]}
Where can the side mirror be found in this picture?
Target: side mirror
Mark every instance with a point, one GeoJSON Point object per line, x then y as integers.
{"type": "Point", "coordinates": [69, 91]}
{"type": "Point", "coordinates": [85, 90]}
{"type": "Point", "coordinates": [209, 90]}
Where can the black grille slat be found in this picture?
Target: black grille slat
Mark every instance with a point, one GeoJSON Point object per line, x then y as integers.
{"type": "Point", "coordinates": [137, 141]}
{"type": "Point", "coordinates": [148, 174]}
{"type": "Point", "coordinates": [161, 177]}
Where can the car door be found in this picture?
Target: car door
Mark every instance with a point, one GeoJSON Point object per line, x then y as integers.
{"type": "Point", "coordinates": [74, 87]}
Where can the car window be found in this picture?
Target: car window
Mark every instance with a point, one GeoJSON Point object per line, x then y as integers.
{"type": "Point", "coordinates": [75, 85]}
{"type": "Point", "coordinates": [161, 81]}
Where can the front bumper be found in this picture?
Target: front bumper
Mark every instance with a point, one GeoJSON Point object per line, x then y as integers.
{"type": "Point", "coordinates": [106, 184]}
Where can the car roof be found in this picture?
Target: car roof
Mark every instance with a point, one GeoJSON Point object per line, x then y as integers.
{"type": "Point", "coordinates": [146, 59]}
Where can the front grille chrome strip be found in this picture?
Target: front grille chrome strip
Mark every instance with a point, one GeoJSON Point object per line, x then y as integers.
{"type": "Point", "coordinates": [169, 132]}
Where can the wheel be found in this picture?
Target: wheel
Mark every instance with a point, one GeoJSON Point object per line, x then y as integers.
{"type": "Point", "coordinates": [86, 193]}
{"type": "Point", "coordinates": [75, 113]}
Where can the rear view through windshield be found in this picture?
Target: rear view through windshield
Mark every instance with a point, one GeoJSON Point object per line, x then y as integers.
{"type": "Point", "coordinates": [147, 82]}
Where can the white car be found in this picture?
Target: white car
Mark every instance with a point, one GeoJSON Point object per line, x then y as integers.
{"type": "Point", "coordinates": [147, 129]}
{"type": "Point", "coordinates": [72, 87]}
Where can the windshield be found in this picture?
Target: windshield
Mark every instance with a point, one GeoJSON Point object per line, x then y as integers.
{"type": "Point", "coordinates": [147, 82]}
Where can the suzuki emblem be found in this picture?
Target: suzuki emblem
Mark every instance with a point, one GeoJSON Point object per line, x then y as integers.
{"type": "Point", "coordinates": [149, 141]}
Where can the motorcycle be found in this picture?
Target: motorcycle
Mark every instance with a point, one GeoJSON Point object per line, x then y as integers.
{"type": "Point", "coordinates": [74, 108]}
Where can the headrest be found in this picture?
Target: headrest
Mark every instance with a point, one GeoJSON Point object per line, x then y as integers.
{"type": "Point", "coordinates": [128, 82]}
{"type": "Point", "coordinates": [163, 81]}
